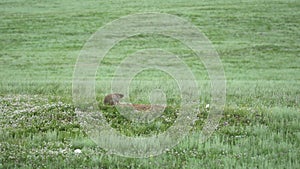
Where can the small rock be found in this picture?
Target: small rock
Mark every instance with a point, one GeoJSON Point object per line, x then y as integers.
{"type": "Point", "coordinates": [77, 151]}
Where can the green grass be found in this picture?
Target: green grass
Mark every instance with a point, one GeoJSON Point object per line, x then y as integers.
{"type": "Point", "coordinates": [257, 41]}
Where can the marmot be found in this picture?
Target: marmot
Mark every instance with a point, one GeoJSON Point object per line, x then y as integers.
{"type": "Point", "coordinates": [112, 99]}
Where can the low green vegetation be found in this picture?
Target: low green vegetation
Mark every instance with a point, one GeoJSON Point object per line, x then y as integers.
{"type": "Point", "coordinates": [258, 44]}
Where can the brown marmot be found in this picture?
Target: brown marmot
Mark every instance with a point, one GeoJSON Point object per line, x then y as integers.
{"type": "Point", "coordinates": [113, 99]}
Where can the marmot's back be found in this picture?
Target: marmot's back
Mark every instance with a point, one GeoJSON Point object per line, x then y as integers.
{"type": "Point", "coordinates": [112, 99]}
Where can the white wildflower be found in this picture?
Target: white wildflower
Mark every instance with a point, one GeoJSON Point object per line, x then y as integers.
{"type": "Point", "coordinates": [207, 106]}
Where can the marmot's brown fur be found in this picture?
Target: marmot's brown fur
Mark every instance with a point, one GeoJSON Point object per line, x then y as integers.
{"type": "Point", "coordinates": [113, 99]}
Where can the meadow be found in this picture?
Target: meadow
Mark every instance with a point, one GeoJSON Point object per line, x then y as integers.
{"type": "Point", "coordinates": [258, 44]}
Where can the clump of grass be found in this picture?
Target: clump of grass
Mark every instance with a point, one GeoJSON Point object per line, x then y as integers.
{"type": "Point", "coordinates": [131, 128]}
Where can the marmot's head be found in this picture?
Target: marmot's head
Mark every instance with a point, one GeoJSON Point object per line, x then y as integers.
{"type": "Point", "coordinates": [118, 95]}
{"type": "Point", "coordinates": [113, 99]}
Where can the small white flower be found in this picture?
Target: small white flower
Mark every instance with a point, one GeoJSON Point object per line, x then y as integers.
{"type": "Point", "coordinates": [77, 151]}
{"type": "Point", "coordinates": [62, 150]}
{"type": "Point", "coordinates": [207, 106]}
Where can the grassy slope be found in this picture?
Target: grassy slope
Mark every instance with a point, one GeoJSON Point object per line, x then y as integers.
{"type": "Point", "coordinates": [259, 46]}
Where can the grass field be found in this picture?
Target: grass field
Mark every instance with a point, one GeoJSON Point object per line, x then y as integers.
{"type": "Point", "coordinates": [258, 44]}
